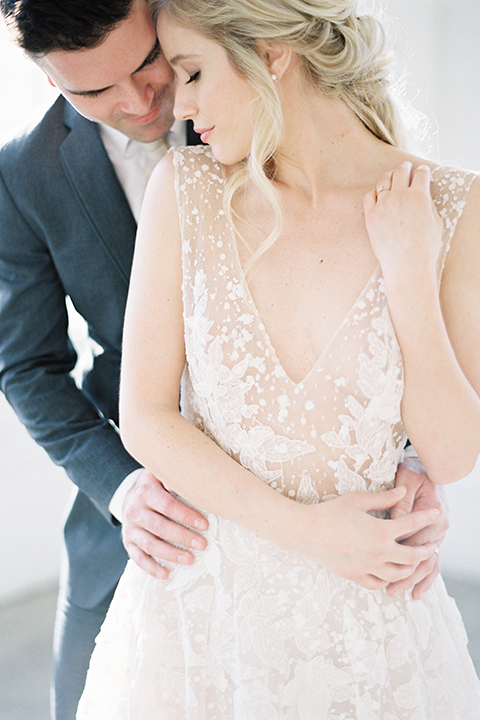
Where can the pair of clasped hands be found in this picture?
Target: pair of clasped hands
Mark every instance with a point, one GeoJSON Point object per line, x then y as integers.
{"type": "Point", "coordinates": [400, 553]}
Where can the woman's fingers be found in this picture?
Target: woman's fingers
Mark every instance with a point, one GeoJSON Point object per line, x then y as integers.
{"type": "Point", "coordinates": [422, 177]}
{"type": "Point", "coordinates": [402, 176]}
{"type": "Point", "coordinates": [408, 525]}
{"type": "Point", "coordinates": [381, 500]}
{"type": "Point", "coordinates": [401, 573]}
{"type": "Point", "coordinates": [384, 185]}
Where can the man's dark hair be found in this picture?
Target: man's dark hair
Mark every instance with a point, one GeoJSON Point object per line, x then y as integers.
{"type": "Point", "coordinates": [39, 26]}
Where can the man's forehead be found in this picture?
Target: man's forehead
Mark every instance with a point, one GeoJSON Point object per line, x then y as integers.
{"type": "Point", "coordinates": [122, 52]}
{"type": "Point", "coordinates": [81, 72]}
{"type": "Point", "coordinates": [111, 72]}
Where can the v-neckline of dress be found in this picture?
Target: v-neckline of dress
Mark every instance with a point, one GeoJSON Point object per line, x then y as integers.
{"type": "Point", "coordinates": [261, 325]}
{"type": "Point", "coordinates": [237, 266]}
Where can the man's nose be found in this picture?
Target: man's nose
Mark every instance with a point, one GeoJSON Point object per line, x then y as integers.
{"type": "Point", "coordinates": [137, 98]}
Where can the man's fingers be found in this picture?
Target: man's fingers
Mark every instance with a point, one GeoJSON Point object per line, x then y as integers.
{"type": "Point", "coordinates": [158, 526]}
{"type": "Point", "coordinates": [386, 577]}
{"type": "Point", "coordinates": [145, 523]}
{"type": "Point", "coordinates": [403, 507]}
{"type": "Point", "coordinates": [407, 583]}
{"type": "Point", "coordinates": [141, 544]}
{"type": "Point", "coordinates": [433, 532]}
{"type": "Point", "coordinates": [421, 587]}
{"type": "Point", "coordinates": [146, 563]}
{"type": "Point", "coordinates": [423, 536]}
{"type": "Point", "coordinates": [409, 475]}
{"type": "Point", "coordinates": [421, 579]}
{"type": "Point", "coordinates": [176, 510]}
{"type": "Point", "coordinates": [156, 497]}
{"type": "Point", "coordinates": [163, 528]}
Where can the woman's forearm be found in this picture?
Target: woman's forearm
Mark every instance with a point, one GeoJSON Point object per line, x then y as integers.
{"type": "Point", "coordinates": [195, 467]}
{"type": "Point", "coordinates": [339, 534]}
{"type": "Point", "coordinates": [440, 409]}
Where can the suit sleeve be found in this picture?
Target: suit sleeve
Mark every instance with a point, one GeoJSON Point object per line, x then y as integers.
{"type": "Point", "coordinates": [37, 358]}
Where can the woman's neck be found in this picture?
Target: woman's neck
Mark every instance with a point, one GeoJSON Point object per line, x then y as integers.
{"type": "Point", "coordinates": [326, 145]}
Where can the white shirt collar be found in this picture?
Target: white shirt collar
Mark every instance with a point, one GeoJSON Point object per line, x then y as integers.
{"type": "Point", "coordinates": [176, 136]}
{"type": "Point", "coordinates": [133, 162]}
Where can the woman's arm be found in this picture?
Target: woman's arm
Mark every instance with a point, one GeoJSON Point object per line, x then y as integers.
{"type": "Point", "coordinates": [439, 341]}
{"type": "Point", "coordinates": [339, 534]}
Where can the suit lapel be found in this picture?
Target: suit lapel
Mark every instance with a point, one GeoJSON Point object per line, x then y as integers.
{"type": "Point", "coordinates": [98, 190]}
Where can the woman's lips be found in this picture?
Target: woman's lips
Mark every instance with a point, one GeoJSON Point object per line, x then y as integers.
{"type": "Point", "coordinates": [204, 133]}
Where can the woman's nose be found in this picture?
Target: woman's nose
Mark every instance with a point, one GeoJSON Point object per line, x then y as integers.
{"type": "Point", "coordinates": [184, 108]}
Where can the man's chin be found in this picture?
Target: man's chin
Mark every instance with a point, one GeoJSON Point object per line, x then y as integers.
{"type": "Point", "coordinates": [147, 133]}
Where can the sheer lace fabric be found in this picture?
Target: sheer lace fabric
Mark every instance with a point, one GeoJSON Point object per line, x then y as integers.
{"type": "Point", "coordinates": [250, 632]}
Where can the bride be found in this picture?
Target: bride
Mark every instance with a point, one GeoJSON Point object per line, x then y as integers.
{"type": "Point", "coordinates": [293, 268]}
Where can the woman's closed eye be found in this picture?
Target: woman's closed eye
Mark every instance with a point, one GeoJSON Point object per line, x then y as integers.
{"type": "Point", "coordinates": [193, 77]}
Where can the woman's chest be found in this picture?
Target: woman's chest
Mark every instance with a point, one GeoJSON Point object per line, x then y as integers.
{"type": "Point", "coordinates": [304, 288]}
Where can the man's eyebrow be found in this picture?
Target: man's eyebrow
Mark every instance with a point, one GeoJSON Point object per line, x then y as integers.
{"type": "Point", "coordinates": [152, 55]}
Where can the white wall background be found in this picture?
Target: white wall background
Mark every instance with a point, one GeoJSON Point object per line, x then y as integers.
{"type": "Point", "coordinates": [438, 43]}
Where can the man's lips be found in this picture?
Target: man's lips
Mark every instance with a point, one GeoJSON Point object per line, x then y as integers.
{"type": "Point", "coordinates": [161, 104]}
{"type": "Point", "coordinates": [149, 117]}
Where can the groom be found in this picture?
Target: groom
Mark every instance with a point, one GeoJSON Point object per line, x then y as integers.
{"type": "Point", "coordinates": [70, 194]}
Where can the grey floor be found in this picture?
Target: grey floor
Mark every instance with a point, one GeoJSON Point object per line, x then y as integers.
{"type": "Point", "coordinates": [26, 636]}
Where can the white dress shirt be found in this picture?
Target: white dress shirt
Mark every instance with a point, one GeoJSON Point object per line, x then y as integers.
{"type": "Point", "coordinates": [134, 162]}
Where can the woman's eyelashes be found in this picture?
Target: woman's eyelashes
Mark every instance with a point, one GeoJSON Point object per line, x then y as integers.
{"type": "Point", "coordinates": [193, 77]}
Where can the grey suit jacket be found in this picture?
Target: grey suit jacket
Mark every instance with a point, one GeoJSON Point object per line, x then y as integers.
{"type": "Point", "coordinates": [67, 229]}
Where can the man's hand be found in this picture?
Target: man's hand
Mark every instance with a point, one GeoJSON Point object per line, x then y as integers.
{"type": "Point", "coordinates": [154, 524]}
{"type": "Point", "coordinates": [421, 494]}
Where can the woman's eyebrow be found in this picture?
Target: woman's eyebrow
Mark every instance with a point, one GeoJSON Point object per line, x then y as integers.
{"type": "Point", "coordinates": [180, 58]}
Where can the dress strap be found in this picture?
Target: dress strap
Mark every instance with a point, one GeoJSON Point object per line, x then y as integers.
{"type": "Point", "coordinates": [450, 191]}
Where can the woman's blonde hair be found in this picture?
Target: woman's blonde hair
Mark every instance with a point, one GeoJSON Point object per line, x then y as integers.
{"type": "Point", "coordinates": [343, 54]}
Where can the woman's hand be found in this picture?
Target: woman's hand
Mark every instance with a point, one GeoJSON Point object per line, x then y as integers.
{"type": "Point", "coordinates": [342, 536]}
{"type": "Point", "coordinates": [403, 224]}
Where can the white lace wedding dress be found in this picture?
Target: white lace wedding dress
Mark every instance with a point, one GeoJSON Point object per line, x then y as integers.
{"type": "Point", "coordinates": [250, 632]}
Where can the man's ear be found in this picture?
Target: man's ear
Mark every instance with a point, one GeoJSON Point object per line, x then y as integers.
{"type": "Point", "coordinates": [277, 57]}
{"type": "Point", "coordinates": [49, 79]}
